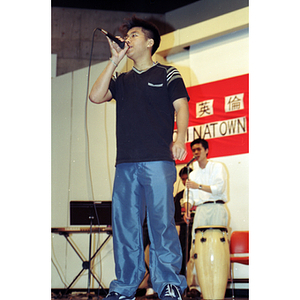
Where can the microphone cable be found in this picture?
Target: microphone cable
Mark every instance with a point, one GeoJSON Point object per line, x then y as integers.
{"type": "Point", "coordinates": [88, 143]}
{"type": "Point", "coordinates": [121, 45]}
{"type": "Point", "coordinates": [86, 108]}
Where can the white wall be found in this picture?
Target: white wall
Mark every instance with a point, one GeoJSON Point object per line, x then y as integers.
{"type": "Point", "coordinates": [60, 152]}
{"type": "Point", "coordinates": [212, 60]}
{"type": "Point", "coordinates": [71, 175]}
{"type": "Point", "coordinates": [220, 58]}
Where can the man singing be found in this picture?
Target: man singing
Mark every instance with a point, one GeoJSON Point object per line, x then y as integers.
{"type": "Point", "coordinates": [147, 97]}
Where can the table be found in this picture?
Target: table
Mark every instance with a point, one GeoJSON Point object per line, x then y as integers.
{"type": "Point", "coordinates": [66, 231]}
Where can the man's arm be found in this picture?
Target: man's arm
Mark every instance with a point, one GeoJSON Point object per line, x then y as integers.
{"type": "Point", "coordinates": [218, 184]}
{"type": "Point", "coordinates": [194, 185]}
{"type": "Point", "coordinates": [100, 91]}
{"type": "Point", "coordinates": [182, 119]}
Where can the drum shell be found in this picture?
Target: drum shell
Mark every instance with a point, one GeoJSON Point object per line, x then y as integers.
{"type": "Point", "coordinates": [212, 261]}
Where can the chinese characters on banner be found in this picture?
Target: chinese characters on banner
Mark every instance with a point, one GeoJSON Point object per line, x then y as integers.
{"type": "Point", "coordinates": [219, 113]}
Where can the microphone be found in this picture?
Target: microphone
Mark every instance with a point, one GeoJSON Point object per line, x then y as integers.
{"type": "Point", "coordinates": [194, 158]}
{"type": "Point", "coordinates": [113, 38]}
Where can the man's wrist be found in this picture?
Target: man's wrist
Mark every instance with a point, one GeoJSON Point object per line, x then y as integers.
{"type": "Point", "coordinates": [113, 62]}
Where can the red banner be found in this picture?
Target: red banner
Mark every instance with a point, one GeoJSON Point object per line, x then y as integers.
{"type": "Point", "coordinates": [219, 113]}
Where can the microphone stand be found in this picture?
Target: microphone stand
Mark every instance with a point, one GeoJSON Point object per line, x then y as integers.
{"type": "Point", "coordinates": [188, 224]}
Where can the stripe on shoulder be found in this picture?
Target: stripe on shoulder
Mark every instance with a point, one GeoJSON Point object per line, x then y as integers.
{"type": "Point", "coordinates": [172, 74]}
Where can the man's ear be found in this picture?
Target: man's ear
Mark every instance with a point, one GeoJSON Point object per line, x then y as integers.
{"type": "Point", "coordinates": [150, 43]}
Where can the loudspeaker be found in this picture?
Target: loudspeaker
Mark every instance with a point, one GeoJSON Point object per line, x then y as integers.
{"type": "Point", "coordinates": [81, 213]}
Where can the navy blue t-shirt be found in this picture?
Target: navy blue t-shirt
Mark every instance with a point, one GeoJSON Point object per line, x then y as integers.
{"type": "Point", "coordinates": [145, 112]}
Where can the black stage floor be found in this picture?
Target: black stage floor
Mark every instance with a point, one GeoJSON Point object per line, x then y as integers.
{"type": "Point", "coordinates": [239, 295]}
{"type": "Point", "coordinates": [95, 297]}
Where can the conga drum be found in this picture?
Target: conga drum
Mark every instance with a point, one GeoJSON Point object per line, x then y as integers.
{"type": "Point", "coordinates": [212, 260]}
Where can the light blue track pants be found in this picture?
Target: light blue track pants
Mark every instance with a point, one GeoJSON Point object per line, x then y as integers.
{"type": "Point", "coordinates": [140, 186]}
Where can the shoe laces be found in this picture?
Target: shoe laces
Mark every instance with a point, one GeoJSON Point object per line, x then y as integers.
{"type": "Point", "coordinates": [170, 292]}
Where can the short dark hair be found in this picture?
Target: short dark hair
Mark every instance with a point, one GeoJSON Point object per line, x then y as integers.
{"type": "Point", "coordinates": [184, 171]}
{"type": "Point", "coordinates": [148, 28]}
{"type": "Point", "coordinates": [203, 142]}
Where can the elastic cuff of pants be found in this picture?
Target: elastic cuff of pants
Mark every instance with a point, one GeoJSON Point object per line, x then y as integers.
{"type": "Point", "coordinates": [195, 288]}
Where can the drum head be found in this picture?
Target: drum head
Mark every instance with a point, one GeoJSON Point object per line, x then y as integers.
{"type": "Point", "coordinates": [209, 227]}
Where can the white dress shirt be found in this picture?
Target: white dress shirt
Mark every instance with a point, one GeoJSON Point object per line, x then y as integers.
{"type": "Point", "coordinates": [214, 175]}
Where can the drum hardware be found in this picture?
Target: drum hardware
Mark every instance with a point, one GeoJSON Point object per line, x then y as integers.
{"type": "Point", "coordinates": [222, 239]}
{"type": "Point", "coordinates": [203, 239]}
